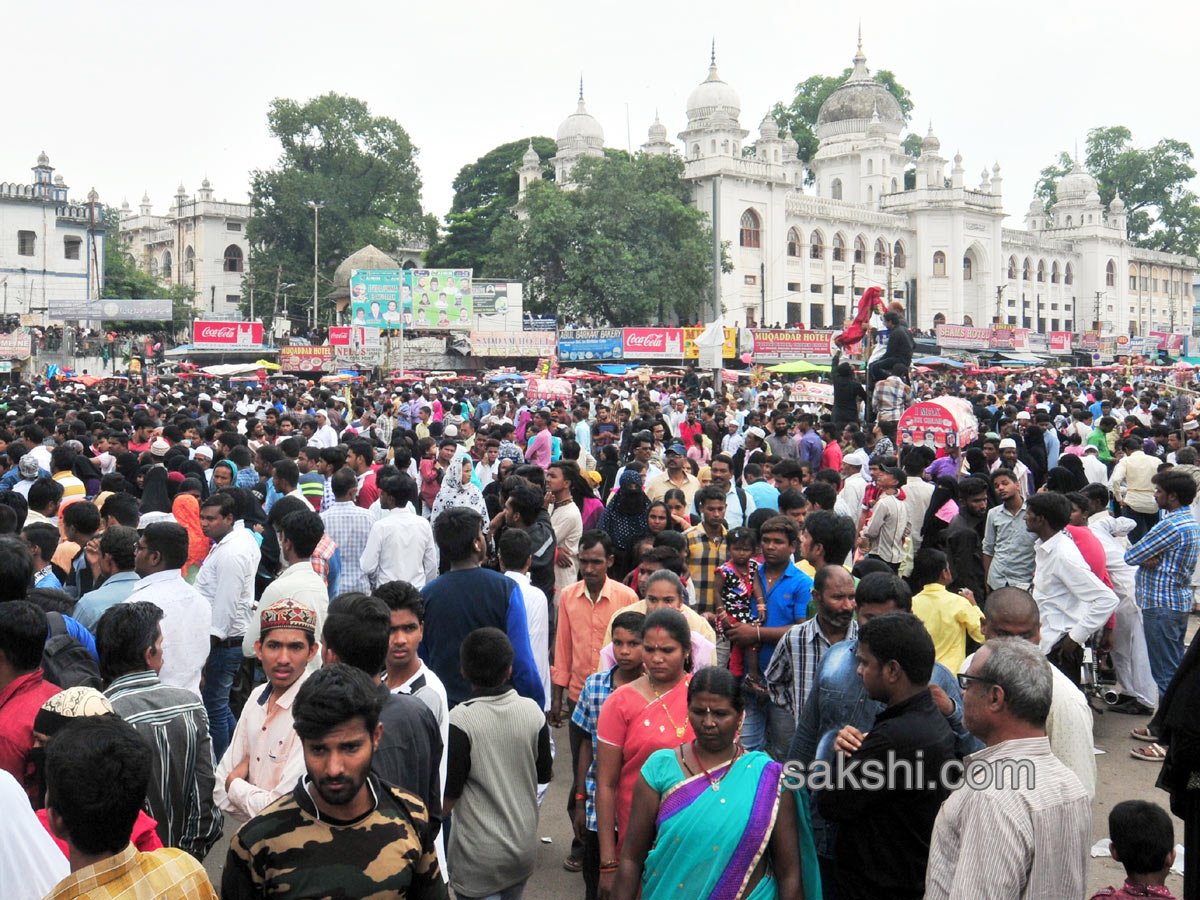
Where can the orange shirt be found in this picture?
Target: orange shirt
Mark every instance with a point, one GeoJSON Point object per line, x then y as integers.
{"type": "Point", "coordinates": [581, 628]}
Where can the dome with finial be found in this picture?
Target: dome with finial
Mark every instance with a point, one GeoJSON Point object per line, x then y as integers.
{"type": "Point", "coordinates": [181, 189]}
{"type": "Point", "coordinates": [530, 157]}
{"type": "Point", "coordinates": [206, 184]}
{"type": "Point", "coordinates": [43, 159]}
{"type": "Point", "coordinates": [850, 107]}
{"type": "Point", "coordinates": [769, 129]}
{"type": "Point", "coordinates": [1117, 205]}
{"type": "Point", "coordinates": [658, 131]}
{"type": "Point", "coordinates": [930, 143]}
{"type": "Point", "coordinates": [713, 96]}
{"type": "Point", "coordinates": [1076, 185]}
{"type": "Point", "coordinates": [580, 130]}
{"type": "Point", "coordinates": [146, 197]}
{"type": "Point", "coordinates": [1036, 208]}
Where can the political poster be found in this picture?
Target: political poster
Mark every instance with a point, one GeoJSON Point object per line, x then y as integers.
{"type": "Point", "coordinates": [441, 298]}
{"type": "Point", "coordinates": [590, 344]}
{"type": "Point", "coordinates": [379, 298]}
{"type": "Point", "coordinates": [489, 298]}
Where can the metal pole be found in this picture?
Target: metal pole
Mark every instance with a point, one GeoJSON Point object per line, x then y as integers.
{"type": "Point", "coordinates": [716, 251]}
{"type": "Point", "coordinates": [316, 245]}
{"type": "Point", "coordinates": [402, 339]}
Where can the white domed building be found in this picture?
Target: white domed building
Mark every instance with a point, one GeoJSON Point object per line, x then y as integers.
{"type": "Point", "coordinates": [805, 252]}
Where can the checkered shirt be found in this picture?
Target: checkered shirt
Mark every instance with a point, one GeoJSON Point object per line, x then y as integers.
{"type": "Point", "coordinates": [704, 557]}
{"type": "Point", "coordinates": [595, 691]}
{"type": "Point", "coordinates": [1175, 540]}
{"type": "Point", "coordinates": [349, 526]}
{"type": "Point", "coordinates": [793, 667]}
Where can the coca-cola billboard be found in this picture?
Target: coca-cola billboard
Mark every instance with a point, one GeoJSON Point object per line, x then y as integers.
{"type": "Point", "coordinates": [222, 335]}
{"type": "Point", "coordinates": [656, 342]}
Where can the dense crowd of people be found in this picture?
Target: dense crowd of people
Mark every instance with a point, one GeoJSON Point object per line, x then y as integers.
{"type": "Point", "coordinates": [347, 626]}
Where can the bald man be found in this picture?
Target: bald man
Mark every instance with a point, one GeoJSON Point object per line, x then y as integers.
{"type": "Point", "coordinates": [1012, 612]}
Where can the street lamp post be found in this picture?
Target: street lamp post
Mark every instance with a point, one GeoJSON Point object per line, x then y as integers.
{"type": "Point", "coordinates": [316, 206]}
{"type": "Point", "coordinates": [250, 281]}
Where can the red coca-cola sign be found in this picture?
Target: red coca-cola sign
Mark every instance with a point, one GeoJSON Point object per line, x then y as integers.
{"type": "Point", "coordinates": [653, 342]}
{"type": "Point", "coordinates": [227, 334]}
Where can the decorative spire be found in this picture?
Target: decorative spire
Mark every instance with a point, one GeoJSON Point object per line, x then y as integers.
{"type": "Point", "coordinates": [580, 87]}
{"type": "Point", "coordinates": [712, 59]}
{"type": "Point", "coordinates": [860, 36]}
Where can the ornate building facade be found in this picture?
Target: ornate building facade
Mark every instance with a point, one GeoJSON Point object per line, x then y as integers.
{"type": "Point", "coordinates": [803, 253]}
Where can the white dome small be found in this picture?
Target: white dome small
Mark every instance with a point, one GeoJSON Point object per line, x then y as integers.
{"type": "Point", "coordinates": [531, 158]}
{"type": "Point", "coordinates": [1076, 185]}
{"type": "Point", "coordinates": [43, 159]}
{"type": "Point", "coordinates": [930, 143]}
{"type": "Point", "coordinates": [580, 129]}
{"type": "Point", "coordinates": [657, 132]}
{"type": "Point", "coordinates": [1117, 205]}
{"type": "Point", "coordinates": [712, 96]}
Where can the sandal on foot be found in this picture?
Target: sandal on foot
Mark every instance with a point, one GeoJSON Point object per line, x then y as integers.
{"type": "Point", "coordinates": [1143, 734]}
{"type": "Point", "coordinates": [1149, 753]}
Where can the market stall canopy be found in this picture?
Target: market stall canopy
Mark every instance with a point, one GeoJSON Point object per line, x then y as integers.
{"type": "Point", "coordinates": [228, 369]}
{"type": "Point", "coordinates": [798, 367]}
{"type": "Point", "coordinates": [616, 369]}
{"type": "Point", "coordinates": [1025, 359]}
{"type": "Point", "coordinates": [939, 422]}
{"type": "Point", "coordinates": [939, 361]}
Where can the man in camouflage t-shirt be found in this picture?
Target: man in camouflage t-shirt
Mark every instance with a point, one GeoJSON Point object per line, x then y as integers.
{"type": "Point", "coordinates": [341, 832]}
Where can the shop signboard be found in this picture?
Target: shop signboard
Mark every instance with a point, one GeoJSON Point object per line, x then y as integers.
{"type": "Point", "coordinates": [226, 335]}
{"type": "Point", "coordinates": [963, 337]}
{"type": "Point", "coordinates": [653, 343]}
{"type": "Point", "coordinates": [305, 359]}
{"type": "Point", "coordinates": [778, 345]}
{"type": "Point", "coordinates": [590, 344]}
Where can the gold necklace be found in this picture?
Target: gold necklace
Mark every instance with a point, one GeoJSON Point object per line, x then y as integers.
{"type": "Point", "coordinates": [716, 782]}
{"type": "Point", "coordinates": [680, 730]}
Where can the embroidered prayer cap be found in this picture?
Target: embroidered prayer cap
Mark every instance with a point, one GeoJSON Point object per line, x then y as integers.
{"type": "Point", "coordinates": [73, 703]}
{"type": "Point", "coordinates": [288, 613]}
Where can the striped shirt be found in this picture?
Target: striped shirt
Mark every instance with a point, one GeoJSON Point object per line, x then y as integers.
{"type": "Point", "coordinates": [1026, 839]}
{"type": "Point", "coordinates": [793, 668]}
{"type": "Point", "coordinates": [174, 724]}
{"type": "Point", "coordinates": [349, 526]}
{"type": "Point", "coordinates": [130, 873]}
{"type": "Point", "coordinates": [1175, 540]}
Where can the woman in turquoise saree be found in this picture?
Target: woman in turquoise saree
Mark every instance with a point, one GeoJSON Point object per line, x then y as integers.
{"type": "Point", "coordinates": [711, 821]}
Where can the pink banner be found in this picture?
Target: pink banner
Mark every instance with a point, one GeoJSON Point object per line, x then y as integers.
{"type": "Point", "coordinates": [1165, 340]}
{"type": "Point", "coordinates": [1060, 342]}
{"type": "Point", "coordinates": [655, 342]}
{"type": "Point", "coordinates": [780, 345]}
{"type": "Point", "coordinates": [964, 337]}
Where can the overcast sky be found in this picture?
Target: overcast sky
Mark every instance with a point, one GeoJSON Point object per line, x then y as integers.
{"type": "Point", "coordinates": [131, 97]}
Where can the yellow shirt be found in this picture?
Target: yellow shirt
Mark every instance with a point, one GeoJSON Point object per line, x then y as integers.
{"type": "Point", "coordinates": [161, 873]}
{"type": "Point", "coordinates": [949, 618]}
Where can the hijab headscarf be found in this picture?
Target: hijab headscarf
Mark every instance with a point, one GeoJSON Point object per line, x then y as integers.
{"type": "Point", "coordinates": [1074, 465]}
{"type": "Point", "coordinates": [87, 472]}
{"type": "Point", "coordinates": [523, 421]}
{"type": "Point", "coordinates": [155, 496]}
{"type": "Point", "coordinates": [193, 469]}
{"type": "Point", "coordinates": [186, 510]}
{"type": "Point", "coordinates": [127, 465]}
{"type": "Point", "coordinates": [625, 516]}
{"type": "Point", "coordinates": [454, 492]}
{"type": "Point", "coordinates": [233, 473]}
{"type": "Point", "coordinates": [1060, 481]}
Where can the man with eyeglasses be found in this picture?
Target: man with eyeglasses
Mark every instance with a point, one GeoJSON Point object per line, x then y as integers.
{"type": "Point", "coordinates": [1021, 824]}
{"type": "Point", "coordinates": [1012, 612]}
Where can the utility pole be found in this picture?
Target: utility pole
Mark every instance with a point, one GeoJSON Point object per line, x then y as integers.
{"type": "Point", "coordinates": [316, 206]}
{"type": "Point", "coordinates": [1000, 303]}
{"type": "Point", "coordinates": [250, 281]}
{"type": "Point", "coordinates": [1096, 315]}
{"type": "Point", "coordinates": [762, 291]}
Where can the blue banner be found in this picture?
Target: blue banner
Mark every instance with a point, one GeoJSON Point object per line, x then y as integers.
{"type": "Point", "coordinates": [585, 344]}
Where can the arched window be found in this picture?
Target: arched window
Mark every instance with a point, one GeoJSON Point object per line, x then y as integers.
{"type": "Point", "coordinates": [153, 267]}
{"type": "Point", "coordinates": [793, 242]}
{"type": "Point", "coordinates": [881, 253]}
{"type": "Point", "coordinates": [233, 258]}
{"type": "Point", "coordinates": [839, 248]}
{"type": "Point", "coordinates": [751, 235]}
{"type": "Point", "coordinates": [695, 150]}
{"type": "Point", "coordinates": [939, 319]}
{"type": "Point", "coordinates": [835, 189]}
{"type": "Point", "coordinates": [816, 246]}
{"type": "Point", "coordinates": [870, 194]}
{"type": "Point", "coordinates": [1069, 222]}
{"type": "Point", "coordinates": [189, 260]}
{"type": "Point", "coordinates": [894, 185]}
{"type": "Point", "coordinates": [967, 271]}
{"type": "Point", "coordinates": [1012, 268]}
{"type": "Point", "coordinates": [166, 264]}
{"type": "Point", "coordinates": [1068, 275]}
{"type": "Point", "coordinates": [860, 250]}
{"type": "Point", "coordinates": [1110, 273]}
{"type": "Point", "coordinates": [1054, 275]}
{"type": "Point", "coordinates": [1026, 269]}
{"type": "Point", "coordinates": [899, 258]}
{"type": "Point", "coordinates": [1041, 270]}
{"type": "Point", "coordinates": [939, 263]}
{"type": "Point", "coordinates": [870, 167]}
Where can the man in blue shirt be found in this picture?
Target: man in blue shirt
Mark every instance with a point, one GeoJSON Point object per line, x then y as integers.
{"type": "Point", "coordinates": [468, 597]}
{"type": "Point", "coordinates": [787, 592]}
{"type": "Point", "coordinates": [765, 495]}
{"type": "Point", "coordinates": [839, 698]}
{"type": "Point", "coordinates": [118, 546]}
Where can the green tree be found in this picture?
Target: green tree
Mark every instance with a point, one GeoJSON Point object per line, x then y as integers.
{"type": "Point", "coordinates": [124, 280]}
{"type": "Point", "coordinates": [363, 167]}
{"type": "Point", "coordinates": [1164, 214]}
{"type": "Point", "coordinates": [799, 117]}
{"type": "Point", "coordinates": [626, 247]}
{"type": "Point", "coordinates": [485, 193]}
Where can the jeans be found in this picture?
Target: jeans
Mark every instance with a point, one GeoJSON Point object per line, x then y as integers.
{"type": "Point", "coordinates": [222, 665]}
{"type": "Point", "coordinates": [1165, 633]}
{"type": "Point", "coordinates": [781, 727]}
{"type": "Point", "coordinates": [1145, 521]}
{"type": "Point", "coordinates": [509, 893]}
{"type": "Point", "coordinates": [755, 723]}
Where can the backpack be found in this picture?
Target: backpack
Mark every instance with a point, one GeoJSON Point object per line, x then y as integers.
{"type": "Point", "coordinates": [65, 661]}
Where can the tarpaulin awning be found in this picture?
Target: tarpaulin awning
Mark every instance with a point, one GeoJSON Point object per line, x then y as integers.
{"type": "Point", "coordinates": [1027, 359]}
{"type": "Point", "coordinates": [939, 361]}
{"type": "Point", "coordinates": [798, 367]}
